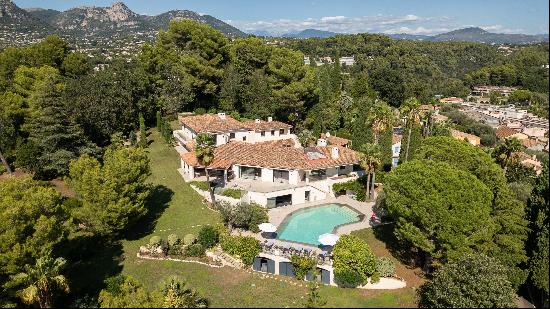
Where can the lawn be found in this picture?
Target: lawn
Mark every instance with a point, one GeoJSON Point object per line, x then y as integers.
{"type": "Point", "coordinates": [178, 209]}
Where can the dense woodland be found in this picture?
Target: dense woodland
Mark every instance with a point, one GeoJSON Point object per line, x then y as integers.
{"type": "Point", "coordinates": [60, 118]}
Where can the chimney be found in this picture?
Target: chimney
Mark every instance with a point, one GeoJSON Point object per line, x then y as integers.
{"type": "Point", "coordinates": [321, 142]}
{"type": "Point", "coordinates": [335, 153]}
{"type": "Point", "coordinates": [221, 115]}
{"type": "Point", "coordinates": [327, 134]}
{"type": "Point", "coordinates": [269, 119]}
{"type": "Point", "coordinates": [257, 120]}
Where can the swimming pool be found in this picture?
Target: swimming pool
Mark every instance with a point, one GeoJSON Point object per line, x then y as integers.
{"type": "Point", "coordinates": [305, 225]}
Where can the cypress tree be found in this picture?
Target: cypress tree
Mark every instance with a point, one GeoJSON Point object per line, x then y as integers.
{"type": "Point", "coordinates": [159, 121]}
{"type": "Point", "coordinates": [142, 132]}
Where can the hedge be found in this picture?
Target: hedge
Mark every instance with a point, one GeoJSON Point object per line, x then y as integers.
{"type": "Point", "coordinates": [201, 185]}
{"type": "Point", "coordinates": [234, 193]}
{"type": "Point", "coordinates": [244, 247]}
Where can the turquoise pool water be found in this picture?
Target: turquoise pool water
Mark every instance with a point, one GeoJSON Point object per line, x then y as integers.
{"type": "Point", "coordinates": [305, 225]}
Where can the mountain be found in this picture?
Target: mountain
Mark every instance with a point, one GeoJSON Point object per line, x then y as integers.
{"type": "Point", "coordinates": [411, 37]}
{"type": "Point", "coordinates": [113, 26]}
{"type": "Point", "coordinates": [46, 15]}
{"type": "Point", "coordinates": [162, 20]}
{"type": "Point", "coordinates": [474, 34]}
{"type": "Point", "coordinates": [14, 18]}
{"type": "Point", "coordinates": [479, 35]}
{"type": "Point", "coordinates": [310, 33]}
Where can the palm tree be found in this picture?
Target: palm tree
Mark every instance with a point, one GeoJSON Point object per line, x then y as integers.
{"type": "Point", "coordinates": [380, 118]}
{"type": "Point", "coordinates": [176, 295]}
{"type": "Point", "coordinates": [204, 150]}
{"type": "Point", "coordinates": [503, 153]}
{"type": "Point", "coordinates": [411, 110]}
{"type": "Point", "coordinates": [370, 160]}
{"type": "Point", "coordinates": [41, 281]}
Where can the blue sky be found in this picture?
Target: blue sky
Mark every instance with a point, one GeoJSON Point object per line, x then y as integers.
{"type": "Point", "coordinates": [349, 16]}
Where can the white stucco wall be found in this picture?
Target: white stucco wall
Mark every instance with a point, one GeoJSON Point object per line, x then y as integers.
{"type": "Point", "coordinates": [267, 175]}
{"type": "Point", "coordinates": [294, 177]}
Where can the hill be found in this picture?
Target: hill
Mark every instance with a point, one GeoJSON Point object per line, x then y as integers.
{"type": "Point", "coordinates": [106, 26]}
{"type": "Point", "coordinates": [474, 34]}
{"type": "Point", "coordinates": [310, 33]}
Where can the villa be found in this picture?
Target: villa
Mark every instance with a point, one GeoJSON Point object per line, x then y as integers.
{"type": "Point", "coordinates": [265, 160]}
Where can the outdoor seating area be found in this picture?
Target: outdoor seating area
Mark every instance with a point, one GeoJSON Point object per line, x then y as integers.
{"type": "Point", "coordinates": [323, 258]}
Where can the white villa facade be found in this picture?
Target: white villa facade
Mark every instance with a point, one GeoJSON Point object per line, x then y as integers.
{"type": "Point", "coordinates": [265, 160]}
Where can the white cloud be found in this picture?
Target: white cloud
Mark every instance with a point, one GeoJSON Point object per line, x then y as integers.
{"type": "Point", "coordinates": [409, 23]}
{"type": "Point", "coordinates": [500, 29]}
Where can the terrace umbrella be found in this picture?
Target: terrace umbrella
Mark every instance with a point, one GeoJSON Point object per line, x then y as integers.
{"type": "Point", "coordinates": [267, 227]}
{"type": "Point", "coordinates": [328, 239]}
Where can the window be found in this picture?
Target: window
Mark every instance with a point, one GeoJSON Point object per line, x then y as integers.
{"type": "Point", "coordinates": [272, 132]}
{"type": "Point", "coordinates": [231, 135]}
{"type": "Point", "coordinates": [263, 133]}
{"type": "Point", "coordinates": [281, 131]}
{"type": "Point", "coordinates": [281, 176]}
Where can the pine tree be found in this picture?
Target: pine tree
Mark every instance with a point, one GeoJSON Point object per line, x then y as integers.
{"type": "Point", "coordinates": [58, 138]}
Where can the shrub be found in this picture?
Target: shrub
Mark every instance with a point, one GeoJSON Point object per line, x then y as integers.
{"type": "Point", "coordinates": [194, 250]}
{"type": "Point", "coordinates": [352, 185]}
{"type": "Point", "coordinates": [470, 281]}
{"type": "Point", "coordinates": [244, 247]}
{"type": "Point", "coordinates": [302, 266]}
{"type": "Point", "coordinates": [173, 240]}
{"type": "Point", "coordinates": [208, 236]}
{"type": "Point", "coordinates": [233, 193]}
{"type": "Point", "coordinates": [243, 215]}
{"type": "Point", "coordinates": [189, 239]}
{"type": "Point", "coordinates": [200, 111]}
{"type": "Point", "coordinates": [155, 241]}
{"type": "Point", "coordinates": [178, 249]}
{"type": "Point", "coordinates": [385, 266]}
{"type": "Point", "coordinates": [201, 185]}
{"type": "Point", "coordinates": [348, 278]}
{"type": "Point", "coordinates": [375, 278]}
{"type": "Point", "coordinates": [351, 254]}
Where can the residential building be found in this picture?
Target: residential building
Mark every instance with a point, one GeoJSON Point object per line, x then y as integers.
{"type": "Point", "coordinates": [328, 139]}
{"type": "Point", "coordinates": [271, 170]}
{"type": "Point", "coordinates": [529, 161]}
{"type": "Point", "coordinates": [225, 129]}
{"type": "Point", "coordinates": [470, 138]}
{"type": "Point", "coordinates": [347, 60]}
{"type": "Point", "coordinates": [484, 91]}
{"type": "Point", "coordinates": [396, 149]}
{"type": "Point", "coordinates": [504, 132]}
{"type": "Point", "coordinates": [451, 100]}
{"type": "Point", "coordinates": [536, 132]}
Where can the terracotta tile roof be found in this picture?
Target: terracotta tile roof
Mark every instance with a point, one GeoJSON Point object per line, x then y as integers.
{"type": "Point", "coordinates": [335, 140]}
{"type": "Point", "coordinates": [504, 132]}
{"type": "Point", "coordinates": [462, 135]}
{"type": "Point", "coordinates": [265, 125]}
{"type": "Point", "coordinates": [531, 142]}
{"type": "Point", "coordinates": [209, 123]}
{"type": "Point", "coordinates": [275, 155]}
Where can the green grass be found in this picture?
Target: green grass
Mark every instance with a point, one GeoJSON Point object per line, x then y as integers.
{"type": "Point", "coordinates": [179, 210]}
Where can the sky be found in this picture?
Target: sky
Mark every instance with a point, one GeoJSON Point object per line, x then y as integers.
{"type": "Point", "coordinates": [348, 16]}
